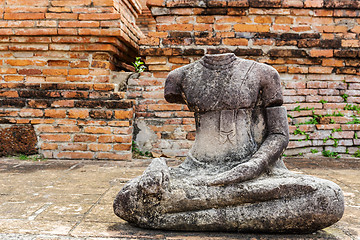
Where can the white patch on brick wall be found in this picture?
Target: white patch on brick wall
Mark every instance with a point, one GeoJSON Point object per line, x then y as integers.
{"type": "Point", "coordinates": [146, 137]}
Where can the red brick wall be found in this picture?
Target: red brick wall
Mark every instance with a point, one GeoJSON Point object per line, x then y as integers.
{"type": "Point", "coordinates": [59, 66]}
{"type": "Point", "coordinates": [313, 44]}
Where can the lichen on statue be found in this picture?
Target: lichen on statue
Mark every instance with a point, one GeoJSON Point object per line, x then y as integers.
{"type": "Point", "coordinates": [233, 178]}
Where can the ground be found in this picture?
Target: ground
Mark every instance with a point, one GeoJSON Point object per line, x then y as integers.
{"type": "Point", "coordinates": [73, 200]}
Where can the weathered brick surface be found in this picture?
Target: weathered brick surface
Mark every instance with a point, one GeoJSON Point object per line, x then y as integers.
{"type": "Point", "coordinates": [69, 127]}
{"type": "Point", "coordinates": [313, 44]}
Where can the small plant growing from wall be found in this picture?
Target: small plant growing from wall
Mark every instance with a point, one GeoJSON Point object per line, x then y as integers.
{"type": "Point", "coordinates": [139, 65]}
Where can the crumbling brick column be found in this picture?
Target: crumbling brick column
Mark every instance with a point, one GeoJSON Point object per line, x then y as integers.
{"type": "Point", "coordinates": [60, 64]}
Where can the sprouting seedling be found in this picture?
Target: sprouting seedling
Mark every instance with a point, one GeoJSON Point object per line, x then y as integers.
{"type": "Point", "coordinates": [139, 65]}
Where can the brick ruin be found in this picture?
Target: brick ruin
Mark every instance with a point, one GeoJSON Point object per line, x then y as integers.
{"type": "Point", "coordinates": [64, 67]}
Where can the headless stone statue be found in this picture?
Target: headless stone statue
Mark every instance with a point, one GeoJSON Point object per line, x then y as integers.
{"type": "Point", "coordinates": [233, 178]}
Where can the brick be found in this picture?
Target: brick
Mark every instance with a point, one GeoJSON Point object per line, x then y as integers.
{"type": "Point", "coordinates": [106, 139]}
{"type": "Point", "coordinates": [38, 31]}
{"type": "Point", "coordinates": [222, 27]}
{"type": "Point", "coordinates": [55, 71]}
{"type": "Point", "coordinates": [78, 24]}
{"type": "Point", "coordinates": [343, 134]}
{"type": "Point", "coordinates": [97, 130]}
{"type": "Point", "coordinates": [122, 147]}
{"type": "Point", "coordinates": [262, 19]}
{"type": "Point", "coordinates": [293, 3]}
{"type": "Point", "coordinates": [350, 43]}
{"type": "Point", "coordinates": [38, 103]}
{"type": "Point", "coordinates": [251, 28]}
{"type": "Point", "coordinates": [235, 41]}
{"type": "Point", "coordinates": [205, 19]}
{"type": "Point", "coordinates": [284, 20]}
{"type": "Point", "coordinates": [11, 78]}
{"type": "Point", "coordinates": [103, 3]}
{"type": "Point", "coordinates": [99, 16]}
{"type": "Point", "coordinates": [208, 41]}
{"type": "Point", "coordinates": [322, 70]}
{"type": "Point", "coordinates": [179, 60]}
{"type": "Point", "coordinates": [155, 60]}
{"type": "Point", "coordinates": [64, 3]}
{"type": "Point", "coordinates": [55, 137]}
{"type": "Point", "coordinates": [74, 155]}
{"type": "Point", "coordinates": [61, 16]}
{"type": "Point", "coordinates": [100, 147]}
{"type": "Point", "coordinates": [55, 113]}
{"type": "Point", "coordinates": [313, 3]}
{"type": "Point", "coordinates": [78, 113]}
{"type": "Point", "coordinates": [49, 146]}
{"type": "Point", "coordinates": [58, 129]}
{"type": "Point", "coordinates": [85, 138]}
{"type": "Point", "coordinates": [237, 19]}
{"type": "Point", "coordinates": [121, 114]}
{"type": "Point", "coordinates": [23, 16]}
{"type": "Point", "coordinates": [78, 71]}
{"type": "Point", "coordinates": [25, 112]}
{"type": "Point", "coordinates": [57, 63]}
{"type": "Point", "coordinates": [123, 138]}
{"type": "Point", "coordinates": [159, 68]}
{"type": "Point", "coordinates": [73, 147]}
{"type": "Point", "coordinates": [114, 156]}
{"type": "Point", "coordinates": [79, 64]}
{"type": "Point", "coordinates": [101, 114]}
{"type": "Point", "coordinates": [321, 53]}
{"type": "Point", "coordinates": [59, 9]}
{"type": "Point", "coordinates": [175, 27]}
{"type": "Point", "coordinates": [316, 84]}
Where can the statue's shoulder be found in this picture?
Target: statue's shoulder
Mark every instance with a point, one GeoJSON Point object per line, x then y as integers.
{"type": "Point", "coordinates": [180, 72]}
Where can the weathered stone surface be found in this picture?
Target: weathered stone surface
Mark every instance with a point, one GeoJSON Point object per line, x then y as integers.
{"type": "Point", "coordinates": [233, 178]}
{"type": "Point", "coordinates": [17, 139]}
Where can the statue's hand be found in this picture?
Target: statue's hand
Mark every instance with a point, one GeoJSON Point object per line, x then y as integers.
{"type": "Point", "coordinates": [241, 173]}
{"type": "Point", "coordinates": [155, 179]}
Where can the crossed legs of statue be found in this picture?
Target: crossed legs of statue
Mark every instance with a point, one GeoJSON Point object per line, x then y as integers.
{"type": "Point", "coordinates": [275, 202]}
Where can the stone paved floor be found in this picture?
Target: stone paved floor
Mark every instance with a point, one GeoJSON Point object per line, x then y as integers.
{"type": "Point", "coordinates": [73, 200]}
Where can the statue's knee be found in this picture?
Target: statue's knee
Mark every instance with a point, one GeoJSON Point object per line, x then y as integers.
{"type": "Point", "coordinates": [330, 200]}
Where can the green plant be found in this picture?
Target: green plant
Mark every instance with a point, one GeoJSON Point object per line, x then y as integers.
{"type": "Point", "coordinates": [137, 151]}
{"type": "Point", "coordinates": [323, 101]}
{"type": "Point", "coordinates": [357, 153]}
{"type": "Point", "coordinates": [284, 155]}
{"type": "Point", "coordinates": [336, 141]}
{"type": "Point", "coordinates": [289, 116]}
{"type": "Point", "coordinates": [299, 108]}
{"type": "Point", "coordinates": [300, 132]}
{"type": "Point", "coordinates": [354, 121]}
{"type": "Point", "coordinates": [139, 65]}
{"type": "Point", "coordinates": [336, 130]}
{"type": "Point", "coordinates": [332, 121]}
{"type": "Point", "coordinates": [328, 153]}
{"type": "Point", "coordinates": [345, 97]}
{"type": "Point", "coordinates": [352, 107]}
{"type": "Point", "coordinates": [301, 154]}
{"type": "Point", "coordinates": [34, 158]}
{"type": "Point", "coordinates": [355, 136]}
{"type": "Point", "coordinates": [23, 157]}
{"type": "Point", "coordinates": [314, 150]}
{"type": "Point", "coordinates": [334, 114]}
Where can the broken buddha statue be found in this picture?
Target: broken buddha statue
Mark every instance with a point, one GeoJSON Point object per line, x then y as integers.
{"type": "Point", "coordinates": [233, 178]}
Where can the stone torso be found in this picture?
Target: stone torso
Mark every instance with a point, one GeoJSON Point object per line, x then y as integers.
{"type": "Point", "coordinates": [223, 91]}
{"type": "Point", "coordinates": [211, 85]}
